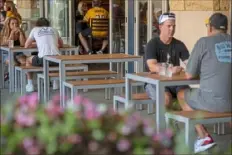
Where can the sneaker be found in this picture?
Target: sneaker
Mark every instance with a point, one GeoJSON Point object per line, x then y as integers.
{"type": "Point", "coordinates": [29, 88]}
{"type": "Point", "coordinates": [90, 52]}
{"type": "Point", "coordinates": [99, 52]}
{"type": "Point", "coordinates": [6, 76]}
{"type": "Point", "coordinates": [55, 85]}
{"type": "Point", "coordinates": [203, 144]}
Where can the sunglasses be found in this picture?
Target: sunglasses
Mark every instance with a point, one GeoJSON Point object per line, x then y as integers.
{"type": "Point", "coordinates": [169, 14]}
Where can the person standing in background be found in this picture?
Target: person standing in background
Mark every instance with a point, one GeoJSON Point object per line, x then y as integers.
{"type": "Point", "coordinates": [2, 5]}
{"type": "Point", "coordinates": [2, 19]}
{"type": "Point", "coordinates": [11, 11]}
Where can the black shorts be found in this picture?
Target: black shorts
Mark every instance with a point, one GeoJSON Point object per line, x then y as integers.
{"type": "Point", "coordinates": [86, 32]}
{"type": "Point", "coordinates": [36, 61]}
{"type": "Point", "coordinates": [175, 89]}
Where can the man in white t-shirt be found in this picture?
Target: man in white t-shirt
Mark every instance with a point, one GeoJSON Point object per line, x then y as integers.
{"type": "Point", "coordinates": [48, 42]}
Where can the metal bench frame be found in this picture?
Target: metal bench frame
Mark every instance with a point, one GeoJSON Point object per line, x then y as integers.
{"type": "Point", "coordinates": [40, 80]}
{"type": "Point", "coordinates": [190, 134]}
{"type": "Point", "coordinates": [120, 99]}
{"type": "Point", "coordinates": [21, 73]}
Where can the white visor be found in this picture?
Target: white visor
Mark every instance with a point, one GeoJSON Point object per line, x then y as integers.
{"type": "Point", "coordinates": [165, 17]}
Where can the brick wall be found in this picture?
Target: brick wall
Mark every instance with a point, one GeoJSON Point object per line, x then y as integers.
{"type": "Point", "coordinates": [199, 5]}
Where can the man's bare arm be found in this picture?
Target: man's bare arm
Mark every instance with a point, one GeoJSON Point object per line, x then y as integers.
{"type": "Point", "coordinates": [153, 65]}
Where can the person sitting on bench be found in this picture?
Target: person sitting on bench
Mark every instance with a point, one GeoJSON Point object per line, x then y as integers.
{"type": "Point", "coordinates": [211, 61]}
{"type": "Point", "coordinates": [96, 12]}
{"type": "Point", "coordinates": [48, 42]}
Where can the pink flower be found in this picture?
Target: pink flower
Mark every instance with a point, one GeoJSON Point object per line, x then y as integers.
{"type": "Point", "coordinates": [126, 130]}
{"type": "Point", "coordinates": [78, 99]}
{"type": "Point", "coordinates": [23, 99]}
{"type": "Point", "coordinates": [27, 143]}
{"type": "Point", "coordinates": [54, 110]}
{"type": "Point", "coordinates": [35, 150]}
{"type": "Point", "coordinates": [157, 137]}
{"type": "Point", "coordinates": [93, 146]}
{"type": "Point", "coordinates": [32, 101]}
{"type": "Point", "coordinates": [112, 136]}
{"type": "Point", "coordinates": [91, 114]}
{"type": "Point", "coordinates": [90, 111]}
{"type": "Point", "coordinates": [148, 131]}
{"type": "Point", "coordinates": [25, 120]}
{"type": "Point", "coordinates": [56, 100]}
{"type": "Point", "coordinates": [74, 139]}
{"type": "Point", "coordinates": [123, 145]}
{"type": "Point", "coordinates": [166, 152]}
{"type": "Point", "coordinates": [31, 146]}
{"type": "Point", "coordinates": [168, 133]}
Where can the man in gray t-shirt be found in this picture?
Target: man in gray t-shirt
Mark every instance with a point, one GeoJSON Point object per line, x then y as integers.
{"type": "Point", "coordinates": [211, 61]}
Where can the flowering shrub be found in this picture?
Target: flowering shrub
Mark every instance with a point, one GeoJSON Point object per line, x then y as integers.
{"type": "Point", "coordinates": [28, 127]}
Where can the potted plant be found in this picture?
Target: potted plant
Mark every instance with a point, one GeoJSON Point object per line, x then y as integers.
{"type": "Point", "coordinates": [83, 127]}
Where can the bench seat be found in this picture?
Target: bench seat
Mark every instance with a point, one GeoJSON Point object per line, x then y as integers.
{"type": "Point", "coordinates": [191, 118]}
{"type": "Point", "coordinates": [138, 98]}
{"type": "Point", "coordinates": [76, 76]}
{"type": "Point", "coordinates": [20, 73]}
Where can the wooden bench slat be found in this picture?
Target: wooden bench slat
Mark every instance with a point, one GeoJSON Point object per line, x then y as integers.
{"type": "Point", "coordinates": [74, 65]}
{"type": "Point", "coordinates": [201, 114]}
{"type": "Point", "coordinates": [96, 82]}
{"type": "Point", "coordinates": [139, 96]}
{"type": "Point", "coordinates": [37, 67]}
{"type": "Point", "coordinates": [102, 72]}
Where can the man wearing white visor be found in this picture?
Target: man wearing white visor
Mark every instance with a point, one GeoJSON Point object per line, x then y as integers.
{"type": "Point", "coordinates": [162, 48]}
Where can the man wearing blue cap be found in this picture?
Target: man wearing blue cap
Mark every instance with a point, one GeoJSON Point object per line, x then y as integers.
{"type": "Point", "coordinates": [211, 61]}
{"type": "Point", "coordinates": [159, 49]}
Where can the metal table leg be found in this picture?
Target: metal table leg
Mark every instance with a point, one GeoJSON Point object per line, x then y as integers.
{"type": "Point", "coordinates": [11, 71]}
{"type": "Point", "coordinates": [160, 108]}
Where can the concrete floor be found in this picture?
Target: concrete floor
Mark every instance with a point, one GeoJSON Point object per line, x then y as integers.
{"type": "Point", "coordinates": [223, 141]}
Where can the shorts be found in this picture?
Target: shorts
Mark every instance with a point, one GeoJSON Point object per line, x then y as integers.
{"type": "Point", "coordinates": [18, 56]}
{"type": "Point", "coordinates": [86, 32]}
{"type": "Point", "coordinates": [175, 89]}
{"type": "Point", "coordinates": [206, 101]}
{"type": "Point", "coordinates": [151, 90]}
{"type": "Point", "coordinates": [36, 61]}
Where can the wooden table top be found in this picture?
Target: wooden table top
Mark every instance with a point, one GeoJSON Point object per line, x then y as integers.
{"type": "Point", "coordinates": [94, 57]}
{"type": "Point", "coordinates": [177, 77]}
{"type": "Point", "coordinates": [202, 114]}
{"type": "Point", "coordinates": [66, 46]}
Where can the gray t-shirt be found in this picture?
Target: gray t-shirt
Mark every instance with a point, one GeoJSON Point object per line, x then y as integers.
{"type": "Point", "coordinates": [211, 60]}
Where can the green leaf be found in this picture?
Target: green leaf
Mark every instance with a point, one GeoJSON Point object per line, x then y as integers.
{"type": "Point", "coordinates": [140, 141]}
{"type": "Point", "coordinates": [51, 148]}
{"type": "Point", "coordinates": [138, 151]}
{"type": "Point", "coordinates": [65, 147]}
{"type": "Point", "coordinates": [98, 135]}
{"type": "Point", "coordinates": [94, 124]}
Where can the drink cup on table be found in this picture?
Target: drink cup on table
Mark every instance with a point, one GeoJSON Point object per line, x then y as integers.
{"type": "Point", "coordinates": [11, 43]}
{"type": "Point", "coordinates": [163, 69]}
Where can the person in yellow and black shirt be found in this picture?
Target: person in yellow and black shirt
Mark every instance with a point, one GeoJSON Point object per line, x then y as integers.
{"type": "Point", "coordinates": [96, 12]}
{"type": "Point", "coordinates": [11, 11]}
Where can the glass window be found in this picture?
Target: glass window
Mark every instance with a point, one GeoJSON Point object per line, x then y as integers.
{"type": "Point", "coordinates": [58, 15]}
{"type": "Point", "coordinates": [118, 26]}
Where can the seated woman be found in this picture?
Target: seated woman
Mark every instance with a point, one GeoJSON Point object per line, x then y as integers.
{"type": "Point", "coordinates": [48, 42]}
{"type": "Point", "coordinates": [12, 31]}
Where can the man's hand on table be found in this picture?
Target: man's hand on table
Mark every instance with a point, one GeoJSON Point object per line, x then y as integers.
{"type": "Point", "coordinates": [176, 69]}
